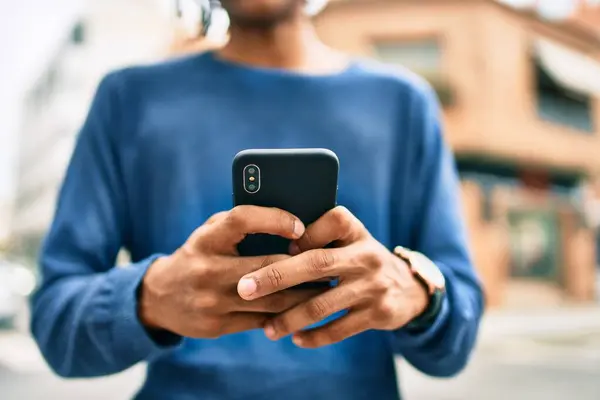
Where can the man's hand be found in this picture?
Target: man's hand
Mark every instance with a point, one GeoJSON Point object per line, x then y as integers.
{"type": "Point", "coordinates": [193, 292]}
{"type": "Point", "coordinates": [375, 286]}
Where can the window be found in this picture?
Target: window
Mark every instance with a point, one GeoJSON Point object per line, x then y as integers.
{"type": "Point", "coordinates": [534, 243]}
{"type": "Point", "coordinates": [420, 56]}
{"type": "Point", "coordinates": [490, 173]}
{"type": "Point", "coordinates": [560, 105]}
{"type": "Point", "coordinates": [487, 183]}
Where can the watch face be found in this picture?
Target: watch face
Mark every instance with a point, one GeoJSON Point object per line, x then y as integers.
{"type": "Point", "coordinates": [428, 270]}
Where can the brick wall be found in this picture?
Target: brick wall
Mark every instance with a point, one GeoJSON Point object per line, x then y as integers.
{"type": "Point", "coordinates": [588, 15]}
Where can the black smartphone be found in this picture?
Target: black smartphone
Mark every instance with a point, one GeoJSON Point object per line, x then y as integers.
{"type": "Point", "coordinates": [303, 182]}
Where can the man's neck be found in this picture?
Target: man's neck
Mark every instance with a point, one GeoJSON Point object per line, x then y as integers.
{"type": "Point", "coordinates": [292, 45]}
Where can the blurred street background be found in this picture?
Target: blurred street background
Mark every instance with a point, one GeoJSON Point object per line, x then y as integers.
{"type": "Point", "coordinates": [519, 82]}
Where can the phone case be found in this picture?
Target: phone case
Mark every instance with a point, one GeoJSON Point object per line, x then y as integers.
{"type": "Point", "coordinates": [300, 181]}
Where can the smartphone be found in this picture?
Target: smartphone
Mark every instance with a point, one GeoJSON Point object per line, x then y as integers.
{"type": "Point", "coordinates": [303, 182]}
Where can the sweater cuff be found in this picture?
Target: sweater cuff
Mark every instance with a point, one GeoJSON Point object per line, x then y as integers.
{"type": "Point", "coordinates": [420, 339]}
{"type": "Point", "coordinates": [128, 334]}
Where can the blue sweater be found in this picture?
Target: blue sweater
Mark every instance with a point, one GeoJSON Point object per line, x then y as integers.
{"type": "Point", "coordinates": [153, 162]}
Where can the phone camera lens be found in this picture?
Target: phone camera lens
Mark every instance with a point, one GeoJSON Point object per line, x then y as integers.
{"type": "Point", "coordinates": [251, 178]}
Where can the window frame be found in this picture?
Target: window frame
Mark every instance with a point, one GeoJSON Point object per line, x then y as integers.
{"type": "Point", "coordinates": [436, 77]}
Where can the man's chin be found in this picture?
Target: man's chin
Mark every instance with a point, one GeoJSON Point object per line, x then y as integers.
{"type": "Point", "coordinates": [261, 13]}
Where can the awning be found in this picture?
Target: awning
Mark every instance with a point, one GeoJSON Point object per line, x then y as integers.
{"type": "Point", "coordinates": [575, 71]}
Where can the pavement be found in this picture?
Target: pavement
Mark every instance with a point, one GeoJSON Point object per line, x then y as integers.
{"type": "Point", "coordinates": [503, 324]}
{"type": "Point", "coordinates": [528, 355]}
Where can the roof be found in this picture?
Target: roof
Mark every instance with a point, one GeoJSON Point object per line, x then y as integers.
{"type": "Point", "coordinates": [571, 30]}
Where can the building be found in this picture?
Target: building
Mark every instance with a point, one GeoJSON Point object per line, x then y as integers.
{"type": "Point", "coordinates": [521, 100]}
{"type": "Point", "coordinates": [97, 38]}
{"type": "Point", "coordinates": [588, 14]}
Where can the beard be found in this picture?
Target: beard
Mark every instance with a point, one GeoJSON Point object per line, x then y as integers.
{"type": "Point", "coordinates": [261, 14]}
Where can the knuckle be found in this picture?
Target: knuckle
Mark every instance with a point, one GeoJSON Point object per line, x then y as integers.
{"type": "Point", "coordinates": [215, 217]}
{"type": "Point", "coordinates": [285, 222]}
{"type": "Point", "coordinates": [307, 240]}
{"type": "Point", "coordinates": [235, 217]}
{"type": "Point", "coordinates": [378, 288]}
{"type": "Point", "coordinates": [206, 302]}
{"type": "Point", "coordinates": [188, 250]}
{"type": "Point", "coordinates": [317, 309]}
{"type": "Point", "coordinates": [384, 312]}
{"type": "Point", "coordinates": [347, 223]}
{"type": "Point", "coordinates": [275, 277]}
{"type": "Point", "coordinates": [320, 261]}
{"type": "Point", "coordinates": [371, 259]}
{"type": "Point", "coordinates": [340, 217]}
{"type": "Point", "coordinates": [213, 328]}
{"type": "Point", "coordinates": [342, 210]}
{"type": "Point", "coordinates": [353, 293]}
{"type": "Point", "coordinates": [281, 325]}
{"type": "Point", "coordinates": [201, 271]}
{"type": "Point", "coordinates": [266, 261]}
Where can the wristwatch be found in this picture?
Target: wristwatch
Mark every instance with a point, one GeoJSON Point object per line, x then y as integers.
{"type": "Point", "coordinates": [432, 279]}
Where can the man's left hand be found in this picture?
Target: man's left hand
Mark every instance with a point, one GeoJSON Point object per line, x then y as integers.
{"type": "Point", "coordinates": [375, 286]}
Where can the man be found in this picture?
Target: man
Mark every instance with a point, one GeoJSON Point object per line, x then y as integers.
{"type": "Point", "coordinates": [151, 173]}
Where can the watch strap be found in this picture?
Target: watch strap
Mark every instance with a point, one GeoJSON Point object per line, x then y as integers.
{"type": "Point", "coordinates": [428, 317]}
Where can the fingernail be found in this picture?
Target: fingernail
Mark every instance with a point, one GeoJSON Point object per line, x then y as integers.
{"type": "Point", "coordinates": [298, 341]}
{"type": "Point", "coordinates": [298, 228]}
{"type": "Point", "coordinates": [294, 249]}
{"type": "Point", "coordinates": [270, 332]}
{"type": "Point", "coordinates": [246, 287]}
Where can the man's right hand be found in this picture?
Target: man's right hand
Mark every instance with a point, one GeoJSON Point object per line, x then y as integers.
{"type": "Point", "coordinates": [193, 291]}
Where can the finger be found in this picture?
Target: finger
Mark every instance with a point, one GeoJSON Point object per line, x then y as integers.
{"type": "Point", "coordinates": [215, 217]}
{"type": "Point", "coordinates": [240, 322]}
{"type": "Point", "coordinates": [312, 311]}
{"type": "Point", "coordinates": [277, 302]}
{"type": "Point", "coordinates": [337, 225]}
{"type": "Point", "coordinates": [306, 267]}
{"type": "Point", "coordinates": [225, 233]}
{"type": "Point", "coordinates": [349, 325]}
{"type": "Point", "coordinates": [228, 270]}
